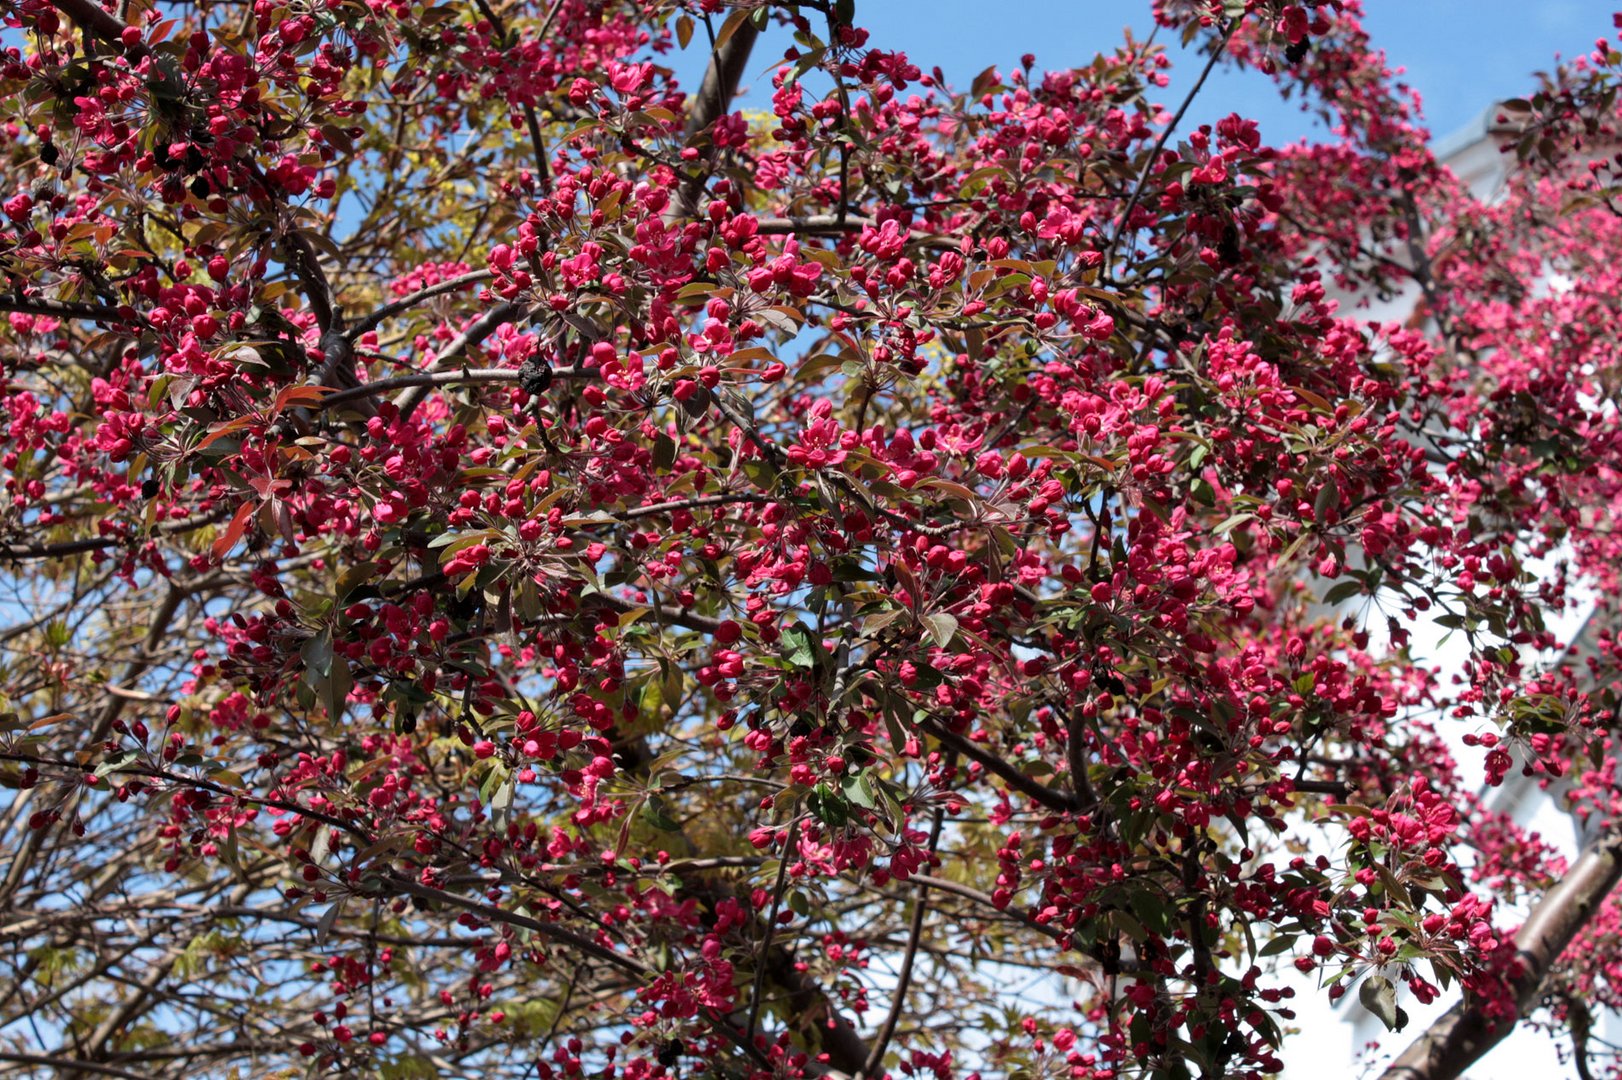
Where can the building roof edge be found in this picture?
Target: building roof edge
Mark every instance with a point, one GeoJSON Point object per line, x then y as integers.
{"type": "Point", "coordinates": [1456, 142]}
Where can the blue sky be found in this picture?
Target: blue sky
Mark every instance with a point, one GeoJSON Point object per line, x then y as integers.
{"type": "Point", "coordinates": [1459, 54]}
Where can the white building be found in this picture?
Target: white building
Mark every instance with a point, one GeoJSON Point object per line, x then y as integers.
{"type": "Point", "coordinates": [1343, 1033]}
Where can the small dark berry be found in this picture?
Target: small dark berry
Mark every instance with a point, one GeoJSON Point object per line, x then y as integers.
{"type": "Point", "coordinates": [535, 376]}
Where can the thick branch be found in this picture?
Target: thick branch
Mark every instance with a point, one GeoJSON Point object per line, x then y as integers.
{"type": "Point", "coordinates": [59, 1062]}
{"type": "Point", "coordinates": [26, 552]}
{"type": "Point", "coordinates": [62, 309]}
{"type": "Point", "coordinates": [810, 1005]}
{"type": "Point", "coordinates": [477, 331]}
{"type": "Point", "coordinates": [316, 288]}
{"type": "Point", "coordinates": [102, 23]}
{"type": "Point", "coordinates": [714, 95]}
{"type": "Point", "coordinates": [1464, 1034]}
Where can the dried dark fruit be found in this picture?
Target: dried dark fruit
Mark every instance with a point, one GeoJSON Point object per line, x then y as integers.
{"type": "Point", "coordinates": [671, 1052]}
{"type": "Point", "coordinates": [535, 376]}
{"type": "Point", "coordinates": [150, 489]}
{"type": "Point", "coordinates": [200, 187]}
{"type": "Point", "coordinates": [1297, 51]}
{"type": "Point", "coordinates": [49, 154]}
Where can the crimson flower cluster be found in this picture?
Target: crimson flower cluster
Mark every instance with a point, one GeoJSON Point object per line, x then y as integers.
{"type": "Point", "coordinates": [522, 566]}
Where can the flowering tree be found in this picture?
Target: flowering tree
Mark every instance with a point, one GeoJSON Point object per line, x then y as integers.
{"type": "Point", "coordinates": [519, 568]}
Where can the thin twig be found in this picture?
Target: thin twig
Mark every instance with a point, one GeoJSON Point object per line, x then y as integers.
{"type": "Point", "coordinates": [756, 994]}
{"type": "Point", "coordinates": [1160, 143]}
{"type": "Point", "coordinates": [904, 977]}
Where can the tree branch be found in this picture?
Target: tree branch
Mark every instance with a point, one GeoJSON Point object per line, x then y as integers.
{"type": "Point", "coordinates": [720, 84]}
{"type": "Point", "coordinates": [903, 982]}
{"type": "Point", "coordinates": [1048, 797]}
{"type": "Point", "coordinates": [477, 331]}
{"type": "Point", "coordinates": [62, 309]}
{"type": "Point", "coordinates": [426, 379]}
{"type": "Point", "coordinates": [816, 225]}
{"type": "Point", "coordinates": [58, 1063]}
{"type": "Point", "coordinates": [1160, 144]}
{"type": "Point", "coordinates": [405, 303]}
{"type": "Point", "coordinates": [1464, 1034]}
{"type": "Point", "coordinates": [102, 23]}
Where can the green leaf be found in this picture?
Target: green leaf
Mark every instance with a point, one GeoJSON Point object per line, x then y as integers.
{"type": "Point", "coordinates": [1343, 592]}
{"type": "Point", "coordinates": [872, 624]}
{"type": "Point", "coordinates": [652, 701]}
{"type": "Point", "coordinates": [317, 657]}
{"type": "Point", "coordinates": [115, 761]}
{"type": "Point", "coordinates": [335, 690]}
{"type": "Point", "coordinates": [501, 802]}
{"type": "Point", "coordinates": [801, 645]}
{"type": "Point", "coordinates": [1152, 911]}
{"type": "Point", "coordinates": [494, 777]}
{"type": "Point", "coordinates": [654, 813]}
{"type": "Point", "coordinates": [1379, 996]}
{"type": "Point", "coordinates": [829, 808]}
{"type": "Point", "coordinates": [942, 626]}
{"type": "Point", "coordinates": [664, 452]}
{"type": "Point", "coordinates": [1280, 944]}
{"type": "Point", "coordinates": [1289, 552]}
{"type": "Point", "coordinates": [859, 790]}
{"type": "Point", "coordinates": [730, 26]}
{"type": "Point", "coordinates": [328, 919]}
{"type": "Point", "coordinates": [892, 724]}
{"type": "Point", "coordinates": [1328, 498]}
{"type": "Point", "coordinates": [353, 578]}
{"type": "Point", "coordinates": [227, 778]}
